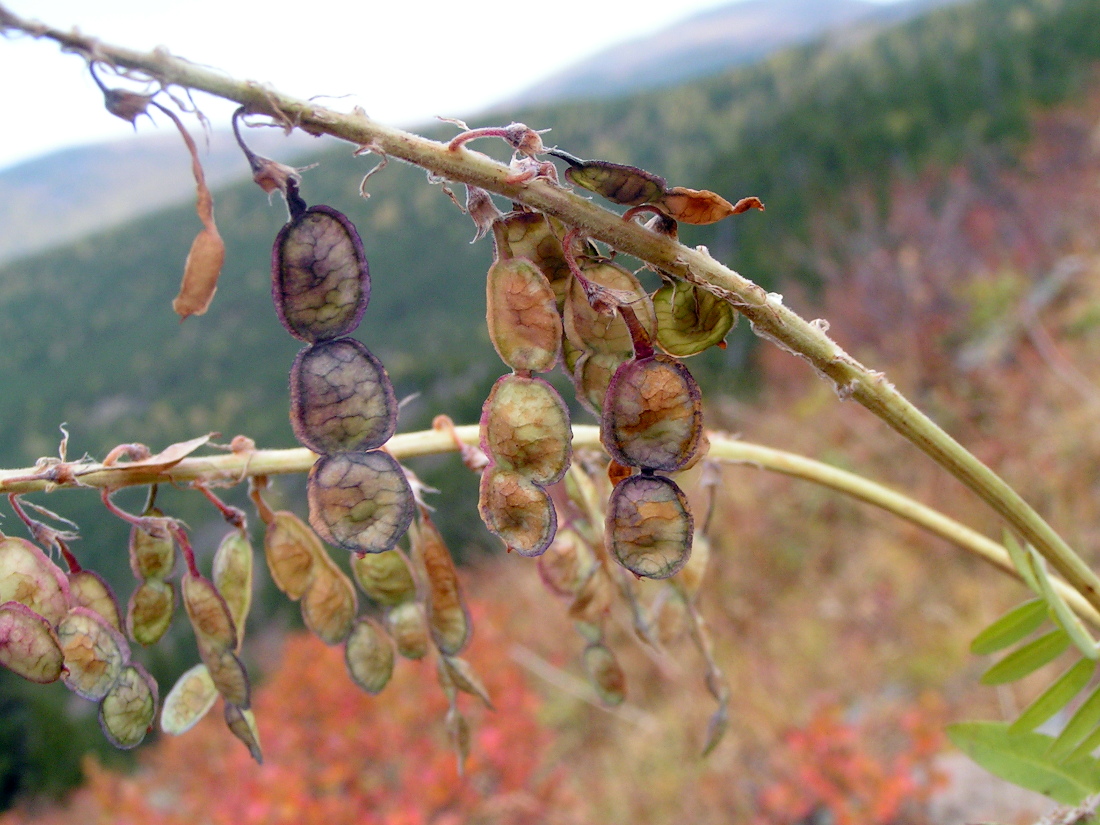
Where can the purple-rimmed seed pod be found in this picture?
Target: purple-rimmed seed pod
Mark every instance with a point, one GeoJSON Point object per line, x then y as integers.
{"type": "Point", "coordinates": [341, 399]}
{"type": "Point", "coordinates": [361, 502]}
{"type": "Point", "coordinates": [320, 280]}
{"type": "Point", "coordinates": [525, 428]}
{"type": "Point", "coordinates": [517, 510]}
{"type": "Point", "coordinates": [649, 526]}
{"type": "Point", "coordinates": [652, 414]}
{"type": "Point", "coordinates": [593, 331]}
{"type": "Point", "coordinates": [522, 313]}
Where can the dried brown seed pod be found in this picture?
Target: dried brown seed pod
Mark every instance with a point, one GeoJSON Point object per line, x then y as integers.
{"type": "Point", "coordinates": [534, 236]}
{"type": "Point", "coordinates": [127, 712]}
{"type": "Point", "coordinates": [290, 547]}
{"type": "Point", "coordinates": [233, 577]}
{"type": "Point", "coordinates": [94, 653]}
{"type": "Point", "coordinates": [567, 563]}
{"type": "Point", "coordinates": [361, 502]}
{"type": "Point", "coordinates": [329, 605]}
{"type": "Point", "coordinates": [149, 612]}
{"type": "Point", "coordinates": [448, 618]}
{"type": "Point", "coordinates": [594, 331]}
{"type": "Point", "coordinates": [525, 428]}
{"type": "Point", "coordinates": [517, 510]}
{"type": "Point", "coordinates": [320, 280]}
{"type": "Point", "coordinates": [341, 399]}
{"type": "Point", "coordinates": [369, 656]}
{"type": "Point", "coordinates": [522, 314]}
{"type": "Point", "coordinates": [385, 577]}
{"type": "Point", "coordinates": [649, 526]}
{"type": "Point", "coordinates": [242, 724]}
{"type": "Point", "coordinates": [652, 414]}
{"type": "Point", "coordinates": [209, 614]}
{"type": "Point", "coordinates": [592, 376]}
{"type": "Point", "coordinates": [690, 319]}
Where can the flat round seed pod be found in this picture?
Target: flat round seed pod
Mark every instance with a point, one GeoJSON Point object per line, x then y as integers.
{"type": "Point", "coordinates": [189, 700]}
{"type": "Point", "coordinates": [290, 547]}
{"type": "Point", "coordinates": [127, 712]}
{"type": "Point", "coordinates": [149, 612]}
{"type": "Point", "coordinates": [649, 527]}
{"type": "Point", "coordinates": [88, 589]}
{"type": "Point", "coordinates": [233, 577]}
{"type": "Point", "coordinates": [385, 577]}
{"type": "Point", "coordinates": [361, 502]}
{"type": "Point", "coordinates": [652, 414]}
{"type": "Point", "coordinates": [28, 644]}
{"type": "Point", "coordinates": [94, 653]}
{"type": "Point", "coordinates": [341, 398]}
{"type": "Point", "coordinates": [592, 376]}
{"type": "Point", "coordinates": [151, 556]}
{"type": "Point", "coordinates": [209, 615]}
{"type": "Point", "coordinates": [533, 236]}
{"type": "Point", "coordinates": [567, 563]}
{"type": "Point", "coordinates": [517, 510]}
{"type": "Point", "coordinates": [29, 577]}
{"type": "Point", "coordinates": [690, 319]}
{"type": "Point", "coordinates": [369, 656]}
{"type": "Point", "coordinates": [320, 280]}
{"type": "Point", "coordinates": [525, 428]}
{"type": "Point", "coordinates": [605, 673]}
{"type": "Point", "coordinates": [593, 331]}
{"type": "Point", "coordinates": [448, 618]}
{"type": "Point", "coordinates": [242, 724]}
{"type": "Point", "coordinates": [522, 313]}
{"type": "Point", "coordinates": [329, 605]}
{"type": "Point", "coordinates": [408, 625]}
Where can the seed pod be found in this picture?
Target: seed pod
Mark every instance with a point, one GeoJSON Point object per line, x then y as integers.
{"type": "Point", "coordinates": [329, 605]}
{"type": "Point", "coordinates": [127, 712]}
{"type": "Point", "coordinates": [517, 510]}
{"type": "Point", "coordinates": [189, 700]}
{"type": "Point", "coordinates": [522, 313]}
{"type": "Point", "coordinates": [593, 331]}
{"type": "Point", "coordinates": [691, 576]}
{"type": "Point", "coordinates": [408, 625]}
{"type": "Point", "coordinates": [652, 414]}
{"type": "Point", "coordinates": [649, 527]}
{"type": "Point", "coordinates": [594, 598]}
{"type": "Point", "coordinates": [88, 589]}
{"type": "Point", "coordinates": [592, 376]}
{"type": "Point", "coordinates": [463, 677]}
{"type": "Point", "coordinates": [209, 615]}
{"type": "Point", "coordinates": [385, 577]}
{"type": "Point", "coordinates": [229, 676]}
{"type": "Point", "coordinates": [94, 653]}
{"type": "Point", "coordinates": [369, 656]}
{"type": "Point", "coordinates": [152, 556]}
{"type": "Point", "coordinates": [28, 644]}
{"type": "Point", "coordinates": [29, 577]}
{"type": "Point", "coordinates": [459, 731]}
{"type": "Point", "coordinates": [361, 502]}
{"type": "Point", "coordinates": [290, 547]}
{"type": "Point", "coordinates": [525, 428]}
{"type": "Point", "coordinates": [701, 206]}
{"type": "Point", "coordinates": [567, 563]}
{"type": "Point", "coordinates": [605, 673]}
{"type": "Point", "coordinates": [242, 724]}
{"type": "Point", "coordinates": [341, 399]}
{"type": "Point", "coordinates": [448, 618]}
{"type": "Point", "coordinates": [233, 577]}
{"type": "Point", "coordinates": [690, 319]}
{"type": "Point", "coordinates": [533, 236]}
{"type": "Point", "coordinates": [320, 280]}
{"type": "Point", "coordinates": [626, 185]}
{"type": "Point", "coordinates": [149, 612]}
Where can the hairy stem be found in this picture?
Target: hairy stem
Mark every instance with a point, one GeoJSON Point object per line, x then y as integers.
{"type": "Point", "coordinates": [769, 317]}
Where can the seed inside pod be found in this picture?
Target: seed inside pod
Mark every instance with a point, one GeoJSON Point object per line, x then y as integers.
{"type": "Point", "coordinates": [590, 330]}
{"type": "Point", "coordinates": [649, 527]}
{"type": "Point", "coordinates": [341, 399]}
{"type": "Point", "coordinates": [525, 428]}
{"type": "Point", "coordinates": [652, 414]}
{"type": "Point", "coordinates": [517, 510]}
{"type": "Point", "coordinates": [320, 280]}
{"type": "Point", "coordinates": [690, 319]}
{"type": "Point", "coordinates": [361, 502]}
{"type": "Point", "coordinates": [522, 313]}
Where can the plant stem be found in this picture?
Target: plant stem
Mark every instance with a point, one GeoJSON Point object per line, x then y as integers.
{"type": "Point", "coordinates": [769, 317]}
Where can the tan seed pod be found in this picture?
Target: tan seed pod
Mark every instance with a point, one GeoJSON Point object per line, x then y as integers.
{"type": "Point", "coordinates": [464, 678]}
{"type": "Point", "coordinates": [28, 644]}
{"type": "Point", "coordinates": [385, 577]}
{"type": "Point", "coordinates": [593, 331]}
{"type": "Point", "coordinates": [151, 555]}
{"type": "Point", "coordinates": [189, 700]}
{"type": "Point", "coordinates": [209, 615]}
{"type": "Point", "coordinates": [329, 605]}
{"type": "Point", "coordinates": [290, 547]}
{"type": "Point", "coordinates": [649, 527]}
{"type": "Point", "coordinates": [690, 319]}
{"type": "Point", "coordinates": [448, 618]}
{"type": "Point", "coordinates": [533, 236]}
{"type": "Point", "coordinates": [692, 575]}
{"type": "Point", "coordinates": [517, 510]}
{"type": "Point", "coordinates": [369, 656]}
{"type": "Point", "coordinates": [242, 724]}
{"type": "Point", "coordinates": [408, 625]}
{"type": "Point", "coordinates": [88, 589]}
{"type": "Point", "coordinates": [567, 563]}
{"type": "Point", "coordinates": [229, 676]}
{"type": "Point", "coordinates": [149, 613]}
{"type": "Point", "coordinates": [594, 598]}
{"type": "Point", "coordinates": [127, 712]}
{"type": "Point", "coordinates": [93, 651]}
{"type": "Point", "coordinates": [522, 314]}
{"type": "Point", "coordinates": [233, 577]}
{"type": "Point", "coordinates": [525, 428]}
{"type": "Point", "coordinates": [592, 376]}
{"type": "Point", "coordinates": [605, 674]}
{"type": "Point", "coordinates": [29, 577]}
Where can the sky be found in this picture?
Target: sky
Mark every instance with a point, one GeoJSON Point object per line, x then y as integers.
{"type": "Point", "coordinates": [404, 62]}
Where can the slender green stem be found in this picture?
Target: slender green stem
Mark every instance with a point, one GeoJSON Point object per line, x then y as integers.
{"type": "Point", "coordinates": [769, 317]}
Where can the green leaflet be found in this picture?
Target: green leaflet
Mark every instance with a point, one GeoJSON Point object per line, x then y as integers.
{"type": "Point", "coordinates": [1012, 627]}
{"type": "Point", "coordinates": [1024, 760]}
{"type": "Point", "coordinates": [1078, 727]}
{"type": "Point", "coordinates": [1087, 746]}
{"type": "Point", "coordinates": [1027, 659]}
{"type": "Point", "coordinates": [1056, 697]}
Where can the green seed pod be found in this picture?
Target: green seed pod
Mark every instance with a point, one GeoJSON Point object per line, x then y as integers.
{"type": "Point", "coordinates": [525, 428]}
{"type": "Point", "coordinates": [522, 314]}
{"type": "Point", "coordinates": [517, 510]}
{"type": "Point", "coordinates": [28, 645]}
{"type": "Point", "coordinates": [385, 577]}
{"type": "Point", "coordinates": [149, 612]}
{"type": "Point", "coordinates": [448, 618]}
{"type": "Point", "coordinates": [290, 547]}
{"type": "Point", "coordinates": [127, 712]}
{"type": "Point", "coordinates": [88, 589]}
{"type": "Point", "coordinates": [29, 577]}
{"type": "Point", "coordinates": [152, 556]}
{"type": "Point", "coordinates": [233, 577]}
{"type": "Point", "coordinates": [593, 331]}
{"type": "Point", "coordinates": [408, 625]}
{"type": "Point", "coordinates": [329, 605]}
{"type": "Point", "coordinates": [320, 280]}
{"type": "Point", "coordinates": [690, 319]}
{"type": "Point", "coordinates": [242, 724]}
{"type": "Point", "coordinates": [652, 414]}
{"type": "Point", "coordinates": [94, 653]}
{"type": "Point", "coordinates": [605, 673]}
{"type": "Point", "coordinates": [369, 656]}
{"type": "Point", "coordinates": [626, 185]}
{"type": "Point", "coordinates": [209, 615]}
{"type": "Point", "coordinates": [649, 527]}
{"type": "Point", "coordinates": [360, 502]}
{"type": "Point", "coordinates": [341, 399]}
{"type": "Point", "coordinates": [189, 700]}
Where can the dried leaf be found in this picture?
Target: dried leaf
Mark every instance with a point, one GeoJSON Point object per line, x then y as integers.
{"type": "Point", "coordinates": [369, 656]}
{"type": "Point", "coordinates": [127, 712]}
{"type": "Point", "coordinates": [189, 700]}
{"type": "Point", "coordinates": [28, 645]}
